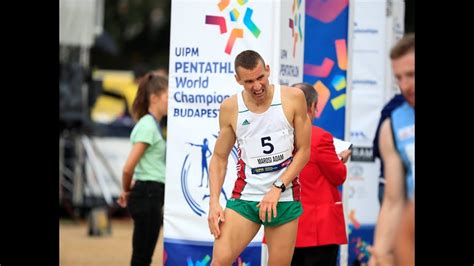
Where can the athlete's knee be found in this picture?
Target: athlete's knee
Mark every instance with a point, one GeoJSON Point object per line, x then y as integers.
{"type": "Point", "coordinates": [282, 258]}
{"type": "Point", "coordinates": [282, 261]}
{"type": "Point", "coordinates": [221, 261]}
{"type": "Point", "coordinates": [222, 258]}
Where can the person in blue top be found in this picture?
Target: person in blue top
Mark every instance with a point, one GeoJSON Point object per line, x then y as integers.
{"type": "Point", "coordinates": [397, 139]}
{"type": "Point", "coordinates": [146, 165]}
{"type": "Point", "coordinates": [386, 112]}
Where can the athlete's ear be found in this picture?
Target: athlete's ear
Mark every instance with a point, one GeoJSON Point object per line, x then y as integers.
{"type": "Point", "coordinates": [237, 78]}
{"type": "Point", "coordinates": [267, 69]}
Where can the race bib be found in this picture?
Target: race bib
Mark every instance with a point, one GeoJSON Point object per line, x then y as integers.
{"type": "Point", "coordinates": [269, 153]}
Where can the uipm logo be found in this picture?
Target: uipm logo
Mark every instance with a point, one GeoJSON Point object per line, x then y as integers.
{"type": "Point", "coordinates": [295, 24]}
{"type": "Point", "coordinates": [234, 13]}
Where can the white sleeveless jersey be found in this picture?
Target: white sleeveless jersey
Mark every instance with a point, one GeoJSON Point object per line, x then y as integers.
{"type": "Point", "coordinates": [265, 148]}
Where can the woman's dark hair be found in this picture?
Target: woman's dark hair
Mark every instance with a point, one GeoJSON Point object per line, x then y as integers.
{"type": "Point", "coordinates": [149, 84]}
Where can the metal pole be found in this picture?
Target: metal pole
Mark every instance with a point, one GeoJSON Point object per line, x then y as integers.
{"type": "Point", "coordinates": [61, 166]}
{"type": "Point", "coordinates": [100, 175]}
{"type": "Point", "coordinates": [344, 253]}
{"type": "Point", "coordinates": [77, 197]}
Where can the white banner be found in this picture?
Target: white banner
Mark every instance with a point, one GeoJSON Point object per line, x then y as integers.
{"type": "Point", "coordinates": [205, 38]}
{"type": "Point", "coordinates": [291, 35]}
{"type": "Point", "coordinates": [368, 83]}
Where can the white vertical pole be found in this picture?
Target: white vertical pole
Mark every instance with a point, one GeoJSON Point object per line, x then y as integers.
{"type": "Point", "coordinates": [344, 254]}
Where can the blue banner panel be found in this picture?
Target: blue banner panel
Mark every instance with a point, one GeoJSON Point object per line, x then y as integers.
{"type": "Point", "coordinates": [199, 253]}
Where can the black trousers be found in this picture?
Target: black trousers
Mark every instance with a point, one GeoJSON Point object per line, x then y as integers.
{"type": "Point", "coordinates": [145, 205]}
{"type": "Point", "coordinates": [315, 256]}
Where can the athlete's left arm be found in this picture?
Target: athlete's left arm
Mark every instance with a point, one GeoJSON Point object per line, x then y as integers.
{"type": "Point", "coordinates": [302, 125]}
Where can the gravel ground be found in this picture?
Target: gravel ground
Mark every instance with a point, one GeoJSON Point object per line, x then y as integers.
{"type": "Point", "coordinates": [77, 248]}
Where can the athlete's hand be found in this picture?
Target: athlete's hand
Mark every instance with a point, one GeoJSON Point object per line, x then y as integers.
{"type": "Point", "coordinates": [216, 216]}
{"type": "Point", "coordinates": [380, 259]}
{"type": "Point", "coordinates": [269, 204]}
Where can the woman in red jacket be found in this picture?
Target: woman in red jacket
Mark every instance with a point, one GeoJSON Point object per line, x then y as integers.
{"type": "Point", "coordinates": [321, 227]}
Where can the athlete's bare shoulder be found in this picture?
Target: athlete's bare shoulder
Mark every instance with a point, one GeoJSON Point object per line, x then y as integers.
{"type": "Point", "coordinates": [228, 112]}
{"type": "Point", "coordinates": [291, 92]}
{"type": "Point", "coordinates": [229, 104]}
{"type": "Point", "coordinates": [292, 99]}
{"type": "Point", "coordinates": [291, 96]}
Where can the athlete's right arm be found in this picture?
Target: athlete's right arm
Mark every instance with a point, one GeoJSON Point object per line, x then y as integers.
{"type": "Point", "coordinates": [218, 164]}
{"type": "Point", "coordinates": [393, 201]}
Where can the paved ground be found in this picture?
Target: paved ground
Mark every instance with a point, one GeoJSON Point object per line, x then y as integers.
{"type": "Point", "coordinates": [77, 248]}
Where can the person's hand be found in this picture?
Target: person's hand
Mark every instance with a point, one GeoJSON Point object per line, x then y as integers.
{"type": "Point", "coordinates": [345, 155]}
{"type": "Point", "coordinates": [123, 199]}
{"type": "Point", "coordinates": [380, 259]}
{"type": "Point", "coordinates": [216, 216]}
{"type": "Point", "coordinates": [269, 204]}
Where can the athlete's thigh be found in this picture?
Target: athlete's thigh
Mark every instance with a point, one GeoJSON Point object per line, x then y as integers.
{"type": "Point", "coordinates": [281, 242]}
{"type": "Point", "coordinates": [236, 234]}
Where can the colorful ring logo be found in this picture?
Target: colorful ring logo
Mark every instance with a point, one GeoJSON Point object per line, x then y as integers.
{"type": "Point", "coordinates": [234, 15]}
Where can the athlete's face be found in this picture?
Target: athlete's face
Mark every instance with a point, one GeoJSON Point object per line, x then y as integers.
{"type": "Point", "coordinates": [255, 81]}
{"type": "Point", "coordinates": [404, 71]}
